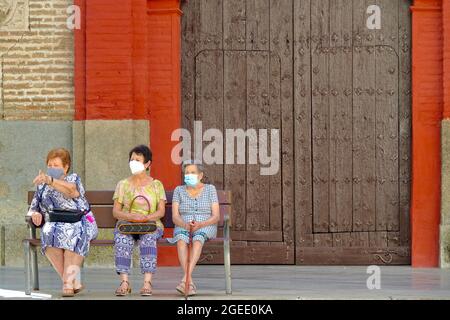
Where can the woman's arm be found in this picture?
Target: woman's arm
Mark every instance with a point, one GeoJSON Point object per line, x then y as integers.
{"type": "Point", "coordinates": [34, 211]}
{"type": "Point", "coordinates": [176, 217]}
{"type": "Point", "coordinates": [121, 215]}
{"type": "Point", "coordinates": [159, 213]}
{"type": "Point", "coordinates": [68, 189]}
{"type": "Point", "coordinates": [215, 208]}
{"type": "Point", "coordinates": [215, 216]}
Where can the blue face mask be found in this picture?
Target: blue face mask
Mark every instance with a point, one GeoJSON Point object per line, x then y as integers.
{"type": "Point", "coordinates": [55, 173]}
{"type": "Point", "coordinates": [191, 180]}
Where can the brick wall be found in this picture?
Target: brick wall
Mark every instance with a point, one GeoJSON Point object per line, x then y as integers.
{"type": "Point", "coordinates": [37, 65]}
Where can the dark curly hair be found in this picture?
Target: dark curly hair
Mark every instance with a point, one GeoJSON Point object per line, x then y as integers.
{"type": "Point", "coordinates": [142, 150]}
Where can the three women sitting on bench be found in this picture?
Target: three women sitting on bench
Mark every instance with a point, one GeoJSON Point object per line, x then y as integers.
{"type": "Point", "coordinates": [195, 214]}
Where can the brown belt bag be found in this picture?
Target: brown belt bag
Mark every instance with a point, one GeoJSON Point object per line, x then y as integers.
{"type": "Point", "coordinates": [130, 227]}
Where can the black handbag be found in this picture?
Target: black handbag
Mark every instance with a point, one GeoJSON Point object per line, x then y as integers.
{"type": "Point", "coordinates": [63, 215]}
{"type": "Point", "coordinates": [66, 216]}
{"type": "Point", "coordinates": [134, 228]}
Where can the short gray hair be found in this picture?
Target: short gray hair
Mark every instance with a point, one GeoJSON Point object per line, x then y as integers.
{"type": "Point", "coordinates": [196, 163]}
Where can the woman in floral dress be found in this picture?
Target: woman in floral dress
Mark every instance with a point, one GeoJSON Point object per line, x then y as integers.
{"type": "Point", "coordinates": [64, 244]}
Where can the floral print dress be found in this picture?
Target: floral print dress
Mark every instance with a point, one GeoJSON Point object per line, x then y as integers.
{"type": "Point", "coordinates": [74, 237]}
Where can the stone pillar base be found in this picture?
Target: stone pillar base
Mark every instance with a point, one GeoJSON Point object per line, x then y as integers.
{"type": "Point", "coordinates": [444, 244]}
{"type": "Point", "coordinates": [444, 230]}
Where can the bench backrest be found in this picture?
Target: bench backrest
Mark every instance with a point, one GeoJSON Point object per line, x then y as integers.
{"type": "Point", "coordinates": [101, 204]}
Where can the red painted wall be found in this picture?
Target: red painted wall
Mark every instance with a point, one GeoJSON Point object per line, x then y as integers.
{"type": "Point", "coordinates": [427, 90]}
{"type": "Point", "coordinates": [446, 57]}
{"type": "Point", "coordinates": [127, 66]}
{"type": "Point", "coordinates": [112, 70]}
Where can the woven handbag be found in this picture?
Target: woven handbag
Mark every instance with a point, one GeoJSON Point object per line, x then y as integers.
{"type": "Point", "coordinates": [130, 227]}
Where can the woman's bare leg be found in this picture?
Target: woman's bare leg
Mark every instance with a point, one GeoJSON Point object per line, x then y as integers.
{"type": "Point", "coordinates": [196, 251]}
{"type": "Point", "coordinates": [72, 266]}
{"type": "Point", "coordinates": [56, 258]}
{"type": "Point", "coordinates": [182, 256]}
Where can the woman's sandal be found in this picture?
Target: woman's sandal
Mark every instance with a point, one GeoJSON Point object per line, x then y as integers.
{"type": "Point", "coordinates": [181, 286]}
{"type": "Point", "coordinates": [146, 292]}
{"type": "Point", "coordinates": [192, 290]}
{"type": "Point", "coordinates": [121, 292]}
{"type": "Point", "coordinates": [67, 292]}
{"type": "Point", "coordinates": [76, 291]}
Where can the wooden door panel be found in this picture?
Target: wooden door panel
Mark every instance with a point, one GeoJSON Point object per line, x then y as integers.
{"type": "Point", "coordinates": [258, 106]}
{"type": "Point", "coordinates": [340, 95]}
{"type": "Point", "coordinates": [340, 79]}
{"type": "Point", "coordinates": [209, 106]}
{"type": "Point", "coordinates": [404, 110]}
{"type": "Point", "coordinates": [235, 105]}
{"type": "Point", "coordinates": [231, 80]}
{"type": "Point", "coordinates": [241, 90]}
{"type": "Point", "coordinates": [320, 63]}
{"type": "Point", "coordinates": [303, 47]}
{"type": "Point", "coordinates": [359, 141]}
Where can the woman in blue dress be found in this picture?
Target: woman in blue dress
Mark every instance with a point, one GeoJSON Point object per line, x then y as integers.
{"type": "Point", "coordinates": [195, 207]}
{"type": "Point", "coordinates": [64, 244]}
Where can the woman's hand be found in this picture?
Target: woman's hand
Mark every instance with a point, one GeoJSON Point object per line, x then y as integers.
{"type": "Point", "coordinates": [41, 178]}
{"type": "Point", "coordinates": [36, 217]}
{"type": "Point", "coordinates": [140, 218]}
{"type": "Point", "coordinates": [195, 225]}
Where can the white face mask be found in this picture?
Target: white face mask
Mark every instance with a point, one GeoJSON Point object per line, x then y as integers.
{"type": "Point", "coordinates": [136, 167]}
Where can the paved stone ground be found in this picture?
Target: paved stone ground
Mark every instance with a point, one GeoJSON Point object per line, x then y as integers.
{"type": "Point", "coordinates": [255, 282]}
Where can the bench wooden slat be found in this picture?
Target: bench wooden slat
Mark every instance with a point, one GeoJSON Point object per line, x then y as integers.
{"type": "Point", "coordinates": [104, 197]}
{"type": "Point", "coordinates": [101, 202]}
{"type": "Point", "coordinates": [104, 217]}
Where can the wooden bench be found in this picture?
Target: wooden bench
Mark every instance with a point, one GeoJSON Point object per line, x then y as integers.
{"type": "Point", "coordinates": [101, 204]}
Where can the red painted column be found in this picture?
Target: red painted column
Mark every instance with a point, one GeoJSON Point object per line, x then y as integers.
{"type": "Point", "coordinates": [446, 56]}
{"type": "Point", "coordinates": [427, 105]}
{"type": "Point", "coordinates": [164, 79]}
{"type": "Point", "coordinates": [127, 66]}
{"type": "Point", "coordinates": [80, 64]}
{"type": "Point", "coordinates": [164, 54]}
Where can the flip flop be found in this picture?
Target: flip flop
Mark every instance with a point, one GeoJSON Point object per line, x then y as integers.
{"type": "Point", "coordinates": [80, 289]}
{"type": "Point", "coordinates": [192, 290]}
{"type": "Point", "coordinates": [180, 287]}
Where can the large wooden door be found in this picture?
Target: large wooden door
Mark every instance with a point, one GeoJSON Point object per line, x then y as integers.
{"type": "Point", "coordinates": [352, 133]}
{"type": "Point", "coordinates": [340, 95]}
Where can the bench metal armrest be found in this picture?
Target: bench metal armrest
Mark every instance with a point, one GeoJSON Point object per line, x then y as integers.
{"type": "Point", "coordinates": [226, 252]}
{"type": "Point", "coordinates": [31, 226]}
{"type": "Point", "coordinates": [226, 227]}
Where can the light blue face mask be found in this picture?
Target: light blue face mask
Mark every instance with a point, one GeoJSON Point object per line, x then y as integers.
{"type": "Point", "coordinates": [55, 173]}
{"type": "Point", "coordinates": [191, 180]}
